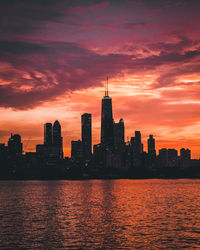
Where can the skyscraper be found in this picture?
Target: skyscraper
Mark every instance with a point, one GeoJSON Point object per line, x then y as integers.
{"type": "Point", "coordinates": [15, 145]}
{"type": "Point", "coordinates": [107, 133]}
{"type": "Point", "coordinates": [48, 134]}
{"type": "Point", "coordinates": [57, 138]}
{"type": "Point", "coordinates": [163, 157]}
{"type": "Point", "coordinates": [136, 143]}
{"type": "Point", "coordinates": [185, 158]}
{"type": "Point", "coordinates": [77, 151]}
{"type": "Point", "coordinates": [86, 133]}
{"type": "Point", "coordinates": [172, 157]}
{"type": "Point", "coordinates": [119, 133]}
{"type": "Point", "coordinates": [151, 146]}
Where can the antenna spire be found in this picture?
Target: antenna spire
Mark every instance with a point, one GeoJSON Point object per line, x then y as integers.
{"type": "Point", "coordinates": [106, 86]}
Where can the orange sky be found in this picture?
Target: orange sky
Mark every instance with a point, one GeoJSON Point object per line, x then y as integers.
{"type": "Point", "coordinates": [54, 61]}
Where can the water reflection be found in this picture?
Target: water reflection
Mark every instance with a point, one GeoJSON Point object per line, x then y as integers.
{"type": "Point", "coordinates": [100, 213]}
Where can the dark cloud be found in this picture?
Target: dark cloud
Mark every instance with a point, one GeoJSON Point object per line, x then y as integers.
{"type": "Point", "coordinates": [14, 47]}
{"type": "Point", "coordinates": [40, 9]}
{"type": "Point", "coordinates": [37, 69]}
{"type": "Point", "coordinates": [175, 57]}
{"type": "Point", "coordinates": [183, 44]}
{"type": "Point", "coordinates": [24, 99]}
{"type": "Point", "coordinates": [22, 17]}
{"type": "Point", "coordinates": [190, 64]}
{"type": "Point", "coordinates": [51, 69]}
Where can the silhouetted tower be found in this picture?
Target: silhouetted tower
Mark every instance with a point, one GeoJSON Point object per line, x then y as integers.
{"type": "Point", "coordinates": [136, 143]}
{"type": "Point", "coordinates": [15, 145]}
{"type": "Point", "coordinates": [107, 134]}
{"type": "Point", "coordinates": [163, 157]}
{"type": "Point", "coordinates": [86, 133]}
{"type": "Point", "coordinates": [151, 146]}
{"type": "Point", "coordinates": [137, 149]}
{"type": "Point", "coordinates": [77, 151]}
{"type": "Point", "coordinates": [57, 138]}
{"type": "Point", "coordinates": [48, 133]}
{"type": "Point", "coordinates": [119, 133]}
{"type": "Point", "coordinates": [172, 157]}
{"type": "Point", "coordinates": [185, 158]}
{"type": "Point", "coordinates": [185, 154]}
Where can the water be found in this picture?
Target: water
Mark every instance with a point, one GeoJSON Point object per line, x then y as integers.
{"type": "Point", "coordinates": [145, 214]}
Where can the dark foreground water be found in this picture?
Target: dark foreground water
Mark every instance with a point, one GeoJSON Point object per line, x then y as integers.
{"type": "Point", "coordinates": [100, 214]}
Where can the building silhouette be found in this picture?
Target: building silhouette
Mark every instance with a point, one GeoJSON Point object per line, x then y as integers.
{"type": "Point", "coordinates": [99, 155]}
{"type": "Point", "coordinates": [163, 158]}
{"type": "Point", "coordinates": [119, 134]}
{"type": "Point", "coordinates": [86, 134]}
{"type": "Point", "coordinates": [185, 158]}
{"type": "Point", "coordinates": [172, 158]}
{"type": "Point", "coordinates": [107, 130]}
{"type": "Point", "coordinates": [77, 151]}
{"type": "Point", "coordinates": [15, 145]}
{"type": "Point", "coordinates": [151, 146]}
{"type": "Point", "coordinates": [136, 143]}
{"type": "Point", "coordinates": [112, 157]}
{"type": "Point", "coordinates": [136, 148]}
{"type": "Point", "coordinates": [57, 138]}
{"type": "Point", "coordinates": [48, 134]}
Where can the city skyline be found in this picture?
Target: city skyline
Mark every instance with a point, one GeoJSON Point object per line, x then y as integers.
{"type": "Point", "coordinates": [111, 136]}
{"type": "Point", "coordinates": [50, 141]}
{"type": "Point", "coordinates": [112, 156]}
{"type": "Point", "coordinates": [55, 56]}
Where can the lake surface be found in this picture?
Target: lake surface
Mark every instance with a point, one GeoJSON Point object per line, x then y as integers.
{"type": "Point", "coordinates": [145, 214]}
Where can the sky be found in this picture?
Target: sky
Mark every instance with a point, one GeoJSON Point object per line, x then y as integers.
{"type": "Point", "coordinates": [55, 56]}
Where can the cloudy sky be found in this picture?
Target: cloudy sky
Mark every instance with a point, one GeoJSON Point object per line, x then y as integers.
{"type": "Point", "coordinates": [55, 56]}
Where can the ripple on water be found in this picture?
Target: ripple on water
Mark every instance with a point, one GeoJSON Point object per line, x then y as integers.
{"type": "Point", "coordinates": [100, 214]}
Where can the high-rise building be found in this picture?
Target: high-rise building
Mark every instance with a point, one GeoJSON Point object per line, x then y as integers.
{"type": "Point", "coordinates": [99, 154]}
{"type": "Point", "coordinates": [185, 153]}
{"type": "Point", "coordinates": [15, 145]}
{"type": "Point", "coordinates": [137, 149]}
{"type": "Point", "coordinates": [48, 134]}
{"type": "Point", "coordinates": [163, 157]}
{"type": "Point", "coordinates": [57, 138]}
{"type": "Point", "coordinates": [119, 133]}
{"type": "Point", "coordinates": [136, 143]}
{"type": "Point", "coordinates": [77, 151]}
{"type": "Point", "coordinates": [86, 133]}
{"type": "Point", "coordinates": [185, 158]}
{"type": "Point", "coordinates": [3, 155]}
{"type": "Point", "coordinates": [151, 146]}
{"type": "Point", "coordinates": [172, 158]}
{"type": "Point", "coordinates": [107, 133]}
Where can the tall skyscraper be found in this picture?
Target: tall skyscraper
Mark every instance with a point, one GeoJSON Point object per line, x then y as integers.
{"type": "Point", "coordinates": [172, 157]}
{"type": "Point", "coordinates": [107, 133]}
{"type": "Point", "coordinates": [119, 133]}
{"type": "Point", "coordinates": [185, 153]}
{"type": "Point", "coordinates": [77, 151]}
{"type": "Point", "coordinates": [136, 143]}
{"type": "Point", "coordinates": [185, 158]}
{"type": "Point", "coordinates": [86, 133]}
{"type": "Point", "coordinates": [15, 145]}
{"type": "Point", "coordinates": [163, 157]}
{"type": "Point", "coordinates": [151, 146]}
{"type": "Point", "coordinates": [137, 149]}
{"type": "Point", "coordinates": [57, 138]}
{"type": "Point", "coordinates": [48, 133]}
